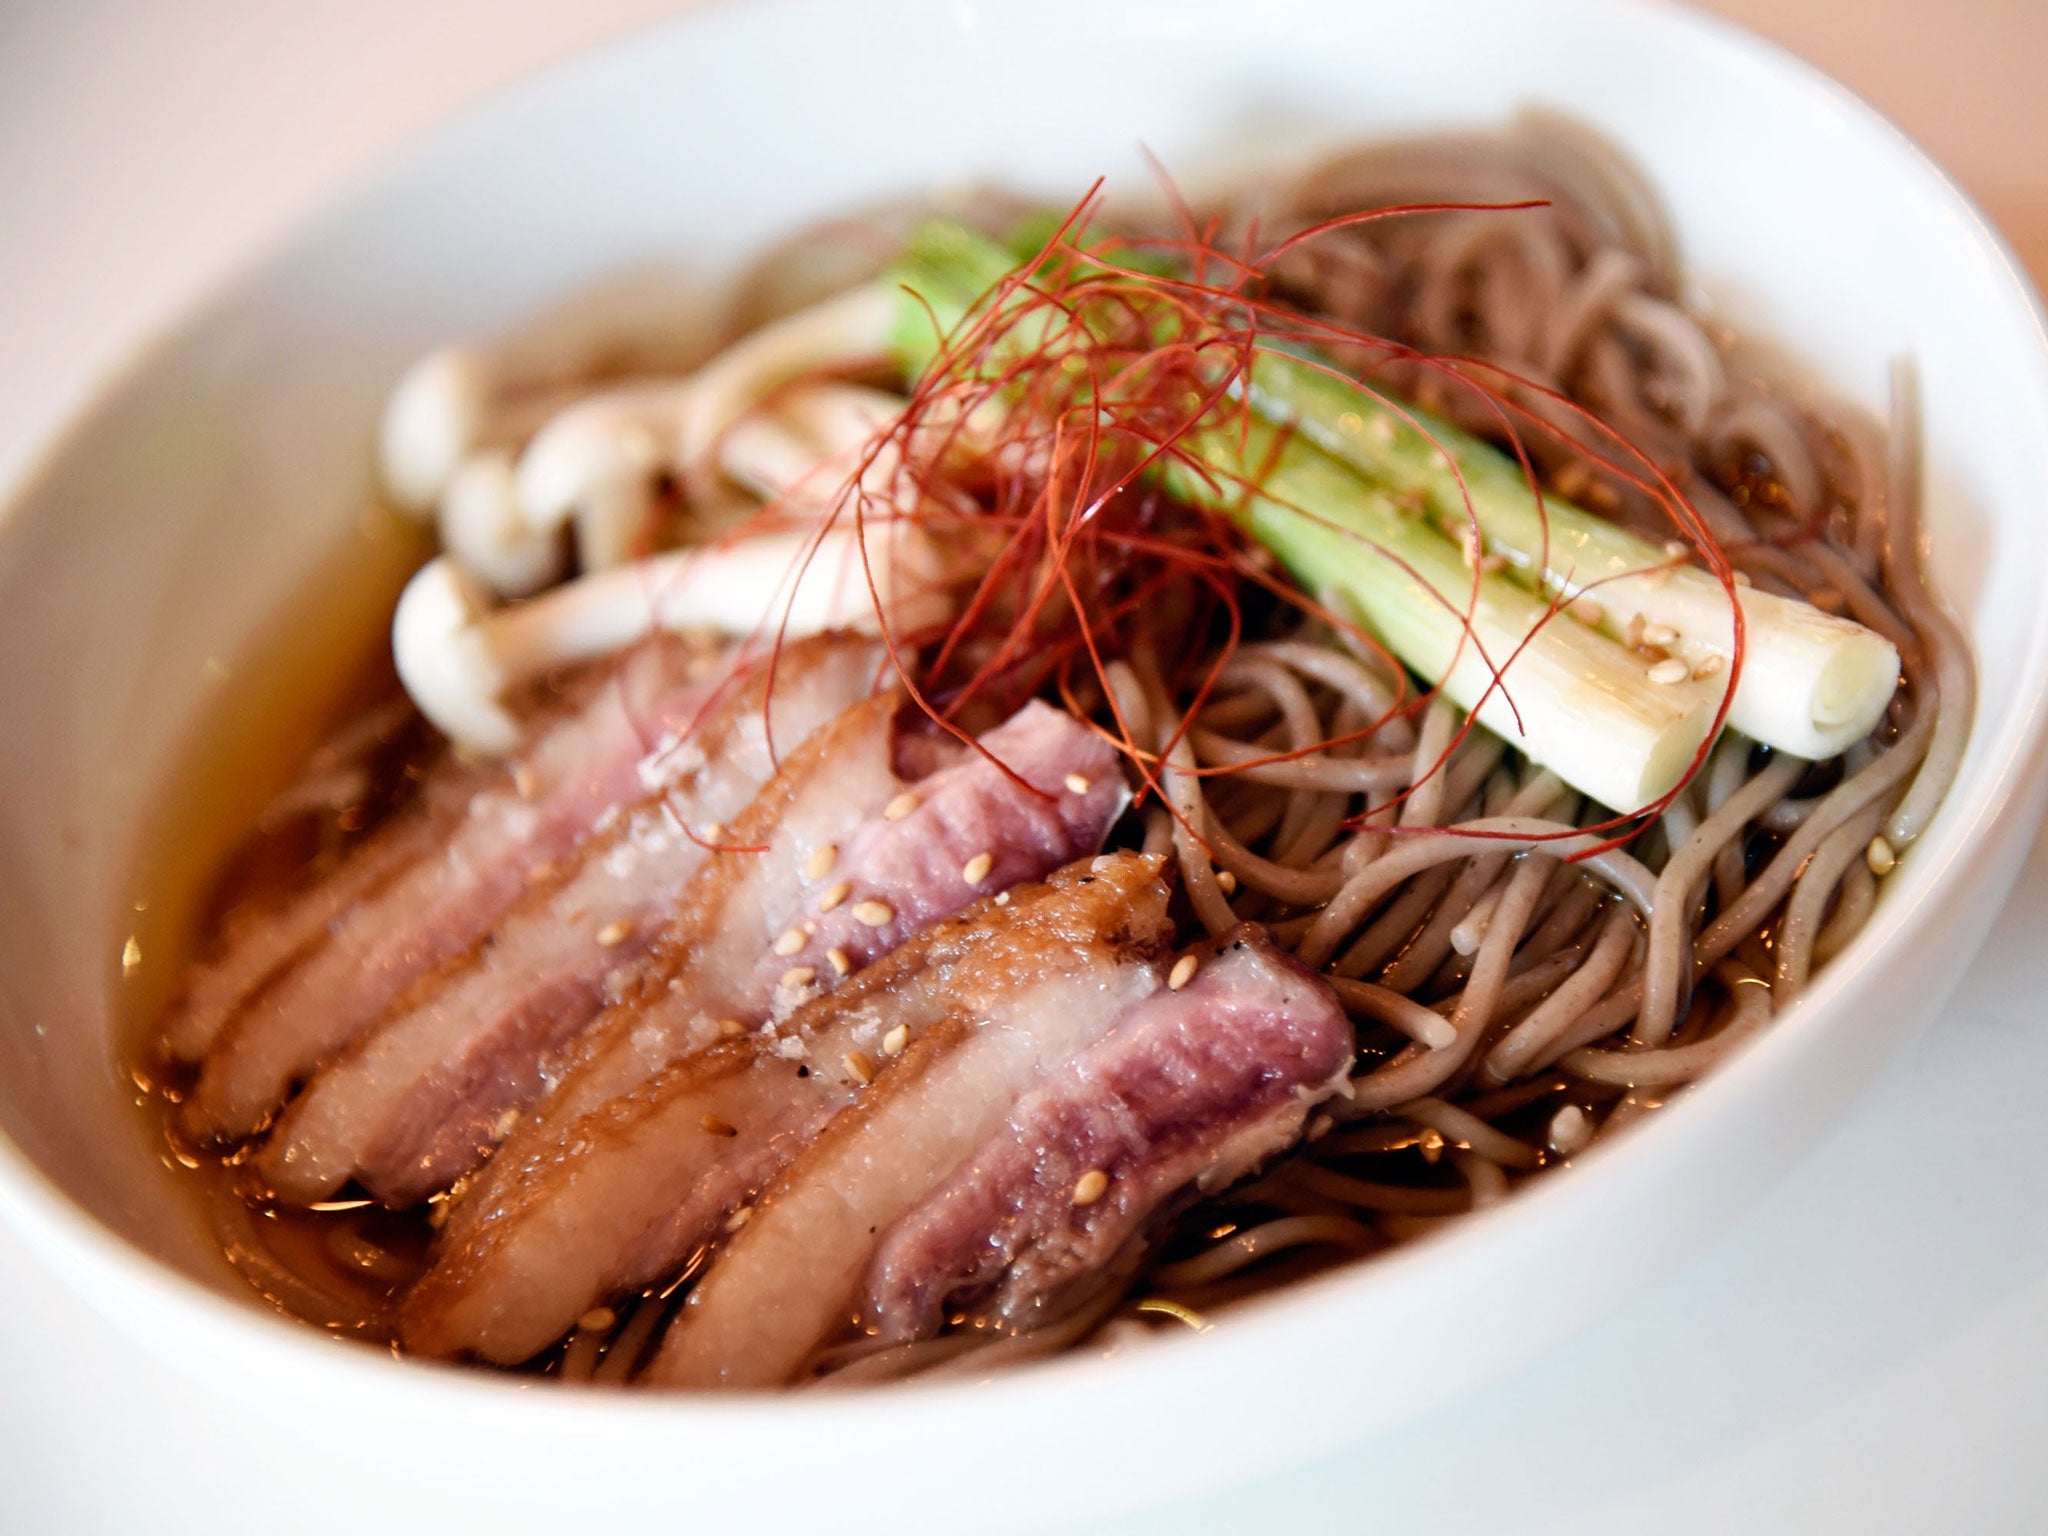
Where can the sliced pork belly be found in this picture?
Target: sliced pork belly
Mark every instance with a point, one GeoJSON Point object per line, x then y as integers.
{"type": "Point", "coordinates": [788, 1278]}
{"type": "Point", "coordinates": [652, 1176]}
{"type": "Point", "coordinates": [413, 1104]}
{"type": "Point", "coordinates": [1193, 1088]}
{"type": "Point", "coordinates": [256, 942]}
{"type": "Point", "coordinates": [854, 863]}
{"type": "Point", "coordinates": [622, 744]}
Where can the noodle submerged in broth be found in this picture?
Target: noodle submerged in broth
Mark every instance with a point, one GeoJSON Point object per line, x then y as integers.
{"type": "Point", "coordinates": [1525, 971]}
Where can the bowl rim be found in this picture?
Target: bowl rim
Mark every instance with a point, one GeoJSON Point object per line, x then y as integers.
{"type": "Point", "coordinates": [92, 1257]}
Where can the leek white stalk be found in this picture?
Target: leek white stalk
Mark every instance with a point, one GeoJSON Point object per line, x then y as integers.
{"type": "Point", "coordinates": [1568, 697]}
{"type": "Point", "coordinates": [1812, 684]}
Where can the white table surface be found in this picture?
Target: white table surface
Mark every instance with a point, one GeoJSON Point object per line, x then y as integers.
{"type": "Point", "coordinates": [1866, 1351]}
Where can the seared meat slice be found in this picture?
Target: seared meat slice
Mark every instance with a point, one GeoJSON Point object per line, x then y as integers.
{"type": "Point", "coordinates": [652, 1175]}
{"type": "Point", "coordinates": [413, 1104]}
{"type": "Point", "coordinates": [257, 940]}
{"type": "Point", "coordinates": [1194, 1087]}
{"type": "Point", "coordinates": [853, 864]}
{"type": "Point", "coordinates": [788, 1278]}
{"type": "Point", "coordinates": [437, 907]}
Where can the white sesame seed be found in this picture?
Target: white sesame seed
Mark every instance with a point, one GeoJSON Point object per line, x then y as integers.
{"type": "Point", "coordinates": [977, 868]}
{"type": "Point", "coordinates": [1090, 1187]}
{"type": "Point", "coordinates": [1569, 1130]}
{"type": "Point", "coordinates": [731, 1029]}
{"type": "Point", "coordinates": [713, 832]}
{"type": "Point", "coordinates": [790, 942]}
{"type": "Point", "coordinates": [1742, 579]}
{"type": "Point", "coordinates": [875, 914]}
{"type": "Point", "coordinates": [859, 1067]}
{"type": "Point", "coordinates": [900, 807]}
{"type": "Point", "coordinates": [1677, 549]}
{"type": "Point", "coordinates": [597, 1320]}
{"type": "Point", "coordinates": [1587, 610]}
{"type": "Point", "coordinates": [717, 1126]}
{"type": "Point", "coordinates": [894, 1041]}
{"type": "Point", "coordinates": [1077, 783]}
{"type": "Point", "coordinates": [797, 977]}
{"type": "Point", "coordinates": [1709, 665]}
{"type": "Point", "coordinates": [1226, 882]}
{"type": "Point", "coordinates": [506, 1124]}
{"type": "Point", "coordinates": [1670, 670]}
{"type": "Point", "coordinates": [820, 863]}
{"type": "Point", "coordinates": [1880, 856]}
{"type": "Point", "coordinates": [835, 896]}
{"type": "Point", "coordinates": [1632, 631]}
{"type": "Point", "coordinates": [612, 935]}
{"type": "Point", "coordinates": [840, 962]}
{"type": "Point", "coordinates": [738, 1218]}
{"type": "Point", "coordinates": [1182, 973]}
{"type": "Point", "coordinates": [1659, 634]}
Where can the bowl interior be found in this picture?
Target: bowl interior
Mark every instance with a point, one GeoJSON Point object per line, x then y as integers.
{"type": "Point", "coordinates": [193, 564]}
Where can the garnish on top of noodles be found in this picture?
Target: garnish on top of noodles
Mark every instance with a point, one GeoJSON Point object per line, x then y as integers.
{"type": "Point", "coordinates": [1117, 435]}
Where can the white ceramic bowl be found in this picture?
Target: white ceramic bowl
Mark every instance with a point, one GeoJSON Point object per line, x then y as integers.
{"type": "Point", "coordinates": [153, 577]}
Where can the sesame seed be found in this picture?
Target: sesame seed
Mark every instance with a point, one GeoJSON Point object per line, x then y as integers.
{"type": "Point", "coordinates": [1002, 898]}
{"type": "Point", "coordinates": [841, 963]}
{"type": "Point", "coordinates": [612, 935]}
{"type": "Point", "coordinates": [894, 1041]}
{"type": "Point", "coordinates": [1632, 631]}
{"type": "Point", "coordinates": [900, 807]}
{"type": "Point", "coordinates": [977, 868]}
{"type": "Point", "coordinates": [1670, 670]}
{"type": "Point", "coordinates": [859, 1067]}
{"type": "Point", "coordinates": [875, 914]}
{"type": "Point", "coordinates": [1226, 882]}
{"type": "Point", "coordinates": [1077, 783]}
{"type": "Point", "coordinates": [1880, 856]}
{"type": "Point", "coordinates": [1709, 665]}
{"type": "Point", "coordinates": [506, 1124]}
{"type": "Point", "coordinates": [718, 1127]}
{"type": "Point", "coordinates": [790, 942]}
{"type": "Point", "coordinates": [714, 832]}
{"type": "Point", "coordinates": [731, 1029]}
{"type": "Point", "coordinates": [1182, 973]}
{"type": "Point", "coordinates": [1587, 610]}
{"type": "Point", "coordinates": [797, 977]}
{"type": "Point", "coordinates": [1677, 549]}
{"type": "Point", "coordinates": [1569, 1130]}
{"type": "Point", "coordinates": [1659, 634]}
{"type": "Point", "coordinates": [738, 1218]}
{"type": "Point", "coordinates": [1320, 1127]}
{"type": "Point", "coordinates": [835, 896]}
{"type": "Point", "coordinates": [820, 863]}
{"type": "Point", "coordinates": [1090, 1187]}
{"type": "Point", "coordinates": [597, 1320]}
{"type": "Point", "coordinates": [1742, 579]}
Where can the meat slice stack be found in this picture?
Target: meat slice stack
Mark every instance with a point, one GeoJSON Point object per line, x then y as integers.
{"type": "Point", "coordinates": [1011, 1151]}
{"type": "Point", "coordinates": [661, 1169]}
{"type": "Point", "coordinates": [420, 1098]}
